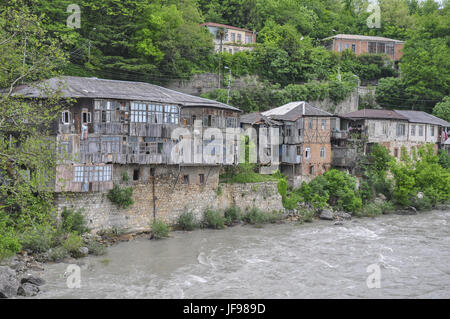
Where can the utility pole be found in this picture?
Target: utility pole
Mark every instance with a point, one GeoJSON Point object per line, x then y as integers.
{"type": "Point", "coordinates": [24, 56]}
{"type": "Point", "coordinates": [229, 83]}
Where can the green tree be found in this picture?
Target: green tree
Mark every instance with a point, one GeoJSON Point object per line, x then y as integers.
{"type": "Point", "coordinates": [442, 109]}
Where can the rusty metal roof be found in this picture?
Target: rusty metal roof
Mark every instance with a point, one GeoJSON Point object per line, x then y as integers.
{"type": "Point", "coordinates": [293, 110]}
{"type": "Point", "coordinates": [258, 118]}
{"type": "Point", "coordinates": [84, 87]}
{"type": "Point", "coordinates": [375, 114]}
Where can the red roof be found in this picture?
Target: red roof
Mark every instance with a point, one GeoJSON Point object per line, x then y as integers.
{"type": "Point", "coordinates": [213, 24]}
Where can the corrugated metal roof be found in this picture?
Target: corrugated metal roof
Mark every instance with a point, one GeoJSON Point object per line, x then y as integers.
{"type": "Point", "coordinates": [423, 117]}
{"type": "Point", "coordinates": [375, 114]}
{"type": "Point", "coordinates": [362, 37]}
{"type": "Point", "coordinates": [258, 118]}
{"type": "Point", "coordinates": [293, 110]}
{"type": "Point", "coordinates": [82, 87]}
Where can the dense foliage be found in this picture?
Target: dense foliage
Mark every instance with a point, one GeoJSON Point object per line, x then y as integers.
{"type": "Point", "coordinates": [162, 40]}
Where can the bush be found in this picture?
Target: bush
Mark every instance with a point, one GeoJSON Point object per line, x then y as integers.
{"type": "Point", "coordinates": [72, 244]}
{"type": "Point", "coordinates": [186, 221]}
{"type": "Point", "coordinates": [232, 215]}
{"type": "Point", "coordinates": [256, 217]}
{"type": "Point", "coordinates": [96, 248]}
{"type": "Point", "coordinates": [213, 219]}
{"type": "Point", "coordinates": [160, 229]}
{"type": "Point", "coordinates": [274, 216]}
{"type": "Point", "coordinates": [73, 221]}
{"type": "Point", "coordinates": [370, 210]}
{"type": "Point", "coordinates": [121, 196]}
{"type": "Point", "coordinates": [58, 253]}
{"type": "Point", "coordinates": [424, 203]}
{"type": "Point", "coordinates": [387, 207]}
{"type": "Point", "coordinates": [306, 215]}
{"type": "Point", "coordinates": [37, 239]}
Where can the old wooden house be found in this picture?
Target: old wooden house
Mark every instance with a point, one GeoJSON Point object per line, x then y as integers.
{"type": "Point", "coordinates": [394, 129]}
{"type": "Point", "coordinates": [118, 130]}
{"type": "Point", "coordinates": [305, 149]}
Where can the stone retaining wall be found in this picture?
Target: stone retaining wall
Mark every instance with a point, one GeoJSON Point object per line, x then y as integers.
{"type": "Point", "coordinates": [171, 200]}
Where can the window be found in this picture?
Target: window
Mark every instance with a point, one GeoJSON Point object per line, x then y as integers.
{"type": "Point", "coordinates": [310, 124]}
{"type": "Point", "coordinates": [381, 47]}
{"type": "Point", "coordinates": [299, 150]}
{"type": "Point", "coordinates": [324, 125]}
{"type": "Point", "coordinates": [233, 37]}
{"type": "Point", "coordinates": [390, 49]}
{"type": "Point", "coordinates": [340, 47]}
{"type": "Point", "coordinates": [239, 37]}
{"type": "Point", "coordinates": [65, 118]}
{"type": "Point", "coordinates": [201, 178]}
{"type": "Point", "coordinates": [86, 117]}
{"type": "Point", "coordinates": [400, 129]}
{"type": "Point", "coordinates": [311, 170]}
{"type": "Point", "coordinates": [307, 153]}
{"type": "Point", "coordinates": [152, 171]}
{"type": "Point", "coordinates": [160, 148]}
{"type": "Point", "coordinates": [154, 113]}
{"type": "Point", "coordinates": [299, 132]}
{"type": "Point", "coordinates": [396, 152]}
{"type": "Point", "coordinates": [385, 129]}
{"type": "Point", "coordinates": [136, 173]}
{"type": "Point", "coordinates": [87, 174]}
{"type": "Point", "coordinates": [413, 130]}
{"type": "Point", "coordinates": [354, 48]}
{"type": "Point", "coordinates": [346, 46]}
{"type": "Point", "coordinates": [420, 130]}
{"type": "Point", "coordinates": [248, 39]}
{"type": "Point", "coordinates": [185, 179]}
{"type": "Point", "coordinates": [431, 130]}
{"type": "Point", "coordinates": [322, 152]}
{"type": "Point", "coordinates": [231, 122]}
{"type": "Point", "coordinates": [372, 47]}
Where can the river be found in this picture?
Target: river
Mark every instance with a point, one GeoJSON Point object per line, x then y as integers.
{"type": "Point", "coordinates": [315, 260]}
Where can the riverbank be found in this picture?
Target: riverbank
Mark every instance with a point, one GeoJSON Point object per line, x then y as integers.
{"type": "Point", "coordinates": [24, 265]}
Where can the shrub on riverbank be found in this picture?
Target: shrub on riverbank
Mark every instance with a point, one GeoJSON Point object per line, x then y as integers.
{"type": "Point", "coordinates": [73, 221]}
{"type": "Point", "coordinates": [186, 221]}
{"type": "Point", "coordinates": [232, 215]}
{"type": "Point", "coordinates": [256, 216]}
{"type": "Point", "coordinates": [96, 248]}
{"type": "Point", "coordinates": [213, 219]}
{"type": "Point", "coordinates": [160, 229]}
{"type": "Point", "coordinates": [72, 244]}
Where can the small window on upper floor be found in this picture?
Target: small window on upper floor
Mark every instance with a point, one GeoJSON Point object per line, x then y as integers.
{"type": "Point", "coordinates": [324, 125]}
{"type": "Point", "coordinates": [322, 152]}
{"type": "Point", "coordinates": [65, 117]}
{"type": "Point", "coordinates": [307, 153]}
{"type": "Point", "coordinates": [310, 124]}
{"type": "Point", "coordinates": [201, 179]}
{"type": "Point", "coordinates": [86, 117]}
{"type": "Point", "coordinates": [185, 179]}
{"type": "Point", "coordinates": [431, 130]}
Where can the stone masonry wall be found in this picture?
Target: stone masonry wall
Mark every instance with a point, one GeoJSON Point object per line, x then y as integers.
{"type": "Point", "coordinates": [171, 199]}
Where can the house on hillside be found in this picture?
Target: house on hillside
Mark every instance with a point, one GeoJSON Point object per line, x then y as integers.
{"type": "Point", "coordinates": [393, 129]}
{"type": "Point", "coordinates": [360, 44]}
{"type": "Point", "coordinates": [233, 39]}
{"type": "Point", "coordinates": [305, 149]}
